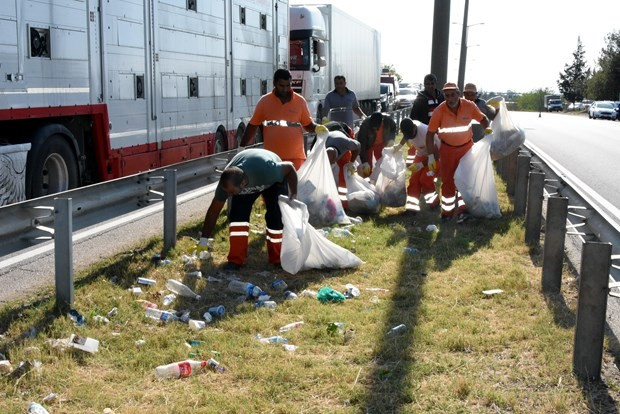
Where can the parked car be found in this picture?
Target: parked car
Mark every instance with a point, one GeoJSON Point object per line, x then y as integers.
{"type": "Point", "coordinates": [602, 109]}
{"type": "Point", "coordinates": [617, 107]}
{"type": "Point", "coordinates": [577, 106]}
{"type": "Point", "coordinates": [406, 97]}
{"type": "Point", "coordinates": [387, 97]}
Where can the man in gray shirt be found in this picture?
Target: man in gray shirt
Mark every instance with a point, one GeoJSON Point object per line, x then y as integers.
{"type": "Point", "coordinates": [343, 103]}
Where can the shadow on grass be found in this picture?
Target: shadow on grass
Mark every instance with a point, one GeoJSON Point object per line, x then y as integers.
{"type": "Point", "coordinates": [391, 381]}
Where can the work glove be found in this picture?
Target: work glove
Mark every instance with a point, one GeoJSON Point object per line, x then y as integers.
{"type": "Point", "coordinates": [351, 168]}
{"type": "Point", "coordinates": [204, 245]}
{"type": "Point", "coordinates": [432, 165]}
{"type": "Point", "coordinates": [488, 131]}
{"type": "Point", "coordinates": [416, 167]}
{"type": "Point", "coordinates": [324, 120]}
{"type": "Point", "coordinates": [321, 131]}
{"type": "Point", "coordinates": [410, 143]}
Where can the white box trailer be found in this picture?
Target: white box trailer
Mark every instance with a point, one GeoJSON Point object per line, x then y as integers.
{"type": "Point", "coordinates": [325, 42]}
{"type": "Point", "coordinates": [106, 88]}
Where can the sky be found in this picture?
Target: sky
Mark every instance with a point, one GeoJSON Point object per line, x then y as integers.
{"type": "Point", "coordinates": [521, 45]}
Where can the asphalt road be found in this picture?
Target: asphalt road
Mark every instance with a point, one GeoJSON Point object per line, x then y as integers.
{"type": "Point", "coordinates": [587, 148]}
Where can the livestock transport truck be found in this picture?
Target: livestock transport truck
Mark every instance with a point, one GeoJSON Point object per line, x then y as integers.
{"type": "Point", "coordinates": [100, 89]}
{"type": "Point", "coordinates": [325, 42]}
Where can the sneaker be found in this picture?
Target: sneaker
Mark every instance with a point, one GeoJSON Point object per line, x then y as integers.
{"type": "Point", "coordinates": [230, 266]}
{"type": "Point", "coordinates": [463, 217]}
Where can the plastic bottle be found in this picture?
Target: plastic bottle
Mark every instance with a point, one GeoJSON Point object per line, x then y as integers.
{"type": "Point", "coordinates": [35, 408]}
{"type": "Point", "coordinates": [290, 326]}
{"type": "Point", "coordinates": [196, 325]}
{"type": "Point", "coordinates": [194, 273]}
{"type": "Point", "coordinates": [207, 317]}
{"type": "Point", "coordinates": [145, 281]}
{"type": "Point", "coordinates": [217, 310]}
{"type": "Point", "coordinates": [161, 315]}
{"type": "Point", "coordinates": [244, 287]}
{"type": "Point", "coordinates": [278, 284]}
{"type": "Point", "coordinates": [168, 299]}
{"type": "Point", "coordinates": [288, 295]}
{"type": "Point", "coordinates": [397, 329]}
{"type": "Point", "coordinates": [272, 340]}
{"type": "Point", "coordinates": [267, 304]}
{"type": "Point", "coordinates": [180, 289]}
{"type": "Point", "coordinates": [180, 369]}
{"type": "Point", "coordinates": [214, 365]}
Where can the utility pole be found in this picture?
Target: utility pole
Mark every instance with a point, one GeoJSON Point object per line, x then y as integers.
{"type": "Point", "coordinates": [441, 38]}
{"type": "Point", "coordinates": [463, 58]}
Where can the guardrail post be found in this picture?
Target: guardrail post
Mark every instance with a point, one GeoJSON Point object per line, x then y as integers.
{"type": "Point", "coordinates": [63, 252]}
{"type": "Point", "coordinates": [170, 209]}
{"type": "Point", "coordinates": [553, 250]}
{"type": "Point", "coordinates": [533, 214]}
{"type": "Point", "coordinates": [511, 173]}
{"type": "Point", "coordinates": [591, 309]}
{"type": "Point", "coordinates": [521, 183]}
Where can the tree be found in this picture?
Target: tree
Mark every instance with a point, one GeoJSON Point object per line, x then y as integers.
{"type": "Point", "coordinates": [532, 101]}
{"type": "Point", "coordinates": [573, 81]}
{"type": "Point", "coordinates": [605, 83]}
{"type": "Point", "coordinates": [391, 70]}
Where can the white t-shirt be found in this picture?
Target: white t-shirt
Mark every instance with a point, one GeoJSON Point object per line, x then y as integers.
{"type": "Point", "coordinates": [419, 141]}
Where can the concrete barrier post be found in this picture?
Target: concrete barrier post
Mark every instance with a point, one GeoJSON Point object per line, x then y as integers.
{"type": "Point", "coordinates": [533, 214]}
{"type": "Point", "coordinates": [521, 183]}
{"type": "Point", "coordinates": [591, 310]}
{"type": "Point", "coordinates": [553, 250]}
{"type": "Point", "coordinates": [511, 173]}
{"type": "Point", "coordinates": [170, 209]}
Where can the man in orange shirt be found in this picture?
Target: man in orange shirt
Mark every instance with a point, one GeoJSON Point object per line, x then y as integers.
{"type": "Point", "coordinates": [451, 121]}
{"type": "Point", "coordinates": [376, 132]}
{"type": "Point", "coordinates": [286, 139]}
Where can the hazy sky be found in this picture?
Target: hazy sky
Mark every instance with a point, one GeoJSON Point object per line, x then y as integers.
{"type": "Point", "coordinates": [522, 45]}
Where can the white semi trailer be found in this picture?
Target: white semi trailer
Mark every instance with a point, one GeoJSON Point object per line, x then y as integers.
{"type": "Point", "coordinates": [102, 89]}
{"type": "Point", "coordinates": [325, 42]}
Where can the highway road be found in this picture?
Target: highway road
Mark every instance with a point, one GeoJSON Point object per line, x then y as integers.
{"type": "Point", "coordinates": [587, 148]}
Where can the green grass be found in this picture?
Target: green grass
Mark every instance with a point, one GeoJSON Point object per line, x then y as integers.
{"type": "Point", "coordinates": [462, 352]}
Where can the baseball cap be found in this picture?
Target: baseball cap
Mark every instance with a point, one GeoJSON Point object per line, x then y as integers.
{"type": "Point", "coordinates": [450, 86]}
{"type": "Point", "coordinates": [470, 87]}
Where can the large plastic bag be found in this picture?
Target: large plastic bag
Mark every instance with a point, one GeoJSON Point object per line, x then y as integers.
{"type": "Point", "coordinates": [362, 197]}
{"type": "Point", "coordinates": [475, 180]}
{"type": "Point", "coordinates": [506, 137]}
{"type": "Point", "coordinates": [303, 247]}
{"type": "Point", "coordinates": [317, 189]}
{"type": "Point", "coordinates": [392, 181]}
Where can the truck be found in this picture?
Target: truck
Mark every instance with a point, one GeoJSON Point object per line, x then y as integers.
{"type": "Point", "coordinates": [553, 103]}
{"type": "Point", "coordinates": [325, 42]}
{"type": "Point", "coordinates": [95, 89]}
{"type": "Point", "coordinates": [392, 80]}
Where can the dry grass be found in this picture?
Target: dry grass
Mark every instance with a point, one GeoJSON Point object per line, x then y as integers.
{"type": "Point", "coordinates": [462, 352]}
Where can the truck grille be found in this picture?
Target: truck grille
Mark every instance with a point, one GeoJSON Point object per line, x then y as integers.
{"type": "Point", "coordinates": [297, 85]}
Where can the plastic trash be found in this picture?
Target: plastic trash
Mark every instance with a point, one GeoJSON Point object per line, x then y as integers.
{"type": "Point", "coordinates": [217, 310]}
{"type": "Point", "coordinates": [5, 367]}
{"type": "Point", "coordinates": [334, 327]}
{"type": "Point", "coordinates": [246, 288]}
{"type": "Point", "coordinates": [83, 343]}
{"type": "Point", "coordinates": [180, 289]}
{"type": "Point", "coordinates": [356, 220]}
{"type": "Point", "coordinates": [288, 295]}
{"type": "Point", "coordinates": [213, 279]}
{"type": "Point", "coordinates": [410, 250]}
{"type": "Point", "coordinates": [168, 299]}
{"type": "Point", "coordinates": [267, 304]}
{"type": "Point", "coordinates": [146, 304]}
{"type": "Point", "coordinates": [145, 281]}
{"type": "Point", "coordinates": [164, 262]}
{"type": "Point", "coordinates": [327, 294]}
{"type": "Point", "coordinates": [431, 228]}
{"type": "Point", "coordinates": [213, 365]}
{"type": "Point", "coordinates": [194, 273]}
{"type": "Point", "coordinates": [161, 315]}
{"type": "Point", "coordinates": [114, 311]}
{"type": "Point", "coordinates": [491, 292]}
{"type": "Point", "coordinates": [263, 297]}
{"type": "Point", "coordinates": [290, 326]}
{"type": "Point", "coordinates": [204, 255]}
{"type": "Point", "coordinates": [180, 369]}
{"type": "Point", "coordinates": [289, 347]}
{"type": "Point", "coordinates": [76, 317]}
{"type": "Point", "coordinates": [338, 232]}
{"type": "Point", "coordinates": [207, 317]}
{"type": "Point", "coordinates": [272, 340]}
{"type": "Point", "coordinates": [136, 291]}
{"type": "Point", "coordinates": [351, 291]}
{"type": "Point", "coordinates": [196, 325]}
{"type": "Point", "coordinates": [102, 319]}
{"type": "Point", "coordinates": [309, 293]}
{"type": "Point", "coordinates": [49, 397]}
{"type": "Point", "coordinates": [397, 329]}
{"type": "Point", "coordinates": [140, 342]}
{"type": "Point", "coordinates": [278, 284]}
{"type": "Point", "coordinates": [36, 408]}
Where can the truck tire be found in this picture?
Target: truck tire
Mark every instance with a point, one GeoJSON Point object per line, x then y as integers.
{"type": "Point", "coordinates": [51, 165]}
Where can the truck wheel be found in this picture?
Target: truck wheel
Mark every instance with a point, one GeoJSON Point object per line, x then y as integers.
{"type": "Point", "coordinates": [51, 167]}
{"type": "Point", "coordinates": [220, 143]}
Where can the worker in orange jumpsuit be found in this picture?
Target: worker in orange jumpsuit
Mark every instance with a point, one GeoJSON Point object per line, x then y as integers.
{"type": "Point", "coordinates": [451, 121]}
{"type": "Point", "coordinates": [420, 182]}
{"type": "Point", "coordinates": [376, 132]}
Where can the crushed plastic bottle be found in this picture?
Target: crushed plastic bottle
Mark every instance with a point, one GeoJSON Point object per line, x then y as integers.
{"type": "Point", "coordinates": [196, 325]}
{"type": "Point", "coordinates": [36, 408]}
{"type": "Point", "coordinates": [180, 369]}
{"type": "Point", "coordinates": [180, 289]}
{"type": "Point", "coordinates": [161, 315]}
{"type": "Point", "coordinates": [246, 288]}
{"type": "Point", "coordinates": [214, 365]}
{"type": "Point", "coordinates": [278, 284]}
{"type": "Point", "coordinates": [288, 295]}
{"type": "Point", "coordinates": [207, 317]}
{"type": "Point", "coordinates": [351, 291]}
{"type": "Point", "coordinates": [290, 326]}
{"type": "Point", "coordinates": [272, 339]}
{"type": "Point", "coordinates": [194, 273]}
{"type": "Point", "coordinates": [217, 310]}
{"type": "Point", "coordinates": [168, 299]}
{"type": "Point", "coordinates": [145, 281]}
{"type": "Point", "coordinates": [267, 304]}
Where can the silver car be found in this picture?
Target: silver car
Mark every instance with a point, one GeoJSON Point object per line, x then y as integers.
{"type": "Point", "coordinates": [602, 109]}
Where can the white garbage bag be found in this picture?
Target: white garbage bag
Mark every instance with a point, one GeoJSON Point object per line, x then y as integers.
{"type": "Point", "coordinates": [362, 197]}
{"type": "Point", "coordinates": [392, 181]}
{"type": "Point", "coordinates": [506, 137]}
{"type": "Point", "coordinates": [303, 247]}
{"type": "Point", "coordinates": [317, 189]}
{"type": "Point", "coordinates": [475, 180]}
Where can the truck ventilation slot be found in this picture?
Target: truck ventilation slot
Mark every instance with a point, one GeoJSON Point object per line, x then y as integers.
{"type": "Point", "coordinates": [193, 87]}
{"type": "Point", "coordinates": [39, 42]}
